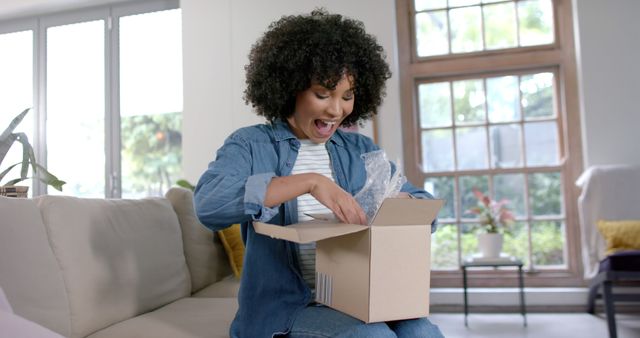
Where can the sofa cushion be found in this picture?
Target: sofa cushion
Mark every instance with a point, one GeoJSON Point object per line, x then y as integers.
{"type": "Point", "coordinates": [231, 239]}
{"type": "Point", "coordinates": [119, 258]}
{"type": "Point", "coordinates": [620, 235]}
{"type": "Point", "coordinates": [227, 287]}
{"type": "Point", "coordinates": [205, 255]}
{"type": "Point", "coordinates": [29, 272]}
{"type": "Point", "coordinates": [185, 318]}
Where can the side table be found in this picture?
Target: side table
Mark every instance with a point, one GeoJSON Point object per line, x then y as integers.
{"type": "Point", "coordinates": [494, 264]}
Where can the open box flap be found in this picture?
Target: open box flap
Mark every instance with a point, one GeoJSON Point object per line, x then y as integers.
{"type": "Point", "coordinates": [307, 232]}
{"type": "Point", "coordinates": [403, 211]}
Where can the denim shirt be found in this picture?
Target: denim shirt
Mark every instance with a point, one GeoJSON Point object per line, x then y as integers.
{"type": "Point", "coordinates": [232, 190]}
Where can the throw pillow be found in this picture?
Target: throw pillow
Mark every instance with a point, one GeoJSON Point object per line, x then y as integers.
{"type": "Point", "coordinates": [620, 235]}
{"type": "Point", "coordinates": [231, 239]}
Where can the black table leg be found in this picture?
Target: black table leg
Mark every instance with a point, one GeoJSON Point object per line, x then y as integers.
{"type": "Point", "coordinates": [464, 287]}
{"type": "Point", "coordinates": [522, 306]}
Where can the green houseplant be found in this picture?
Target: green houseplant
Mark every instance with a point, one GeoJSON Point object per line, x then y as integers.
{"type": "Point", "coordinates": [494, 220]}
{"type": "Point", "coordinates": [7, 138]}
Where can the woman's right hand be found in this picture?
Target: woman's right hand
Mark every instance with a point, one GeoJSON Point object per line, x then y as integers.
{"type": "Point", "coordinates": [327, 192]}
{"type": "Point", "coordinates": [343, 205]}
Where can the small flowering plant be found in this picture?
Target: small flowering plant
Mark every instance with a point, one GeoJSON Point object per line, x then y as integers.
{"type": "Point", "coordinates": [494, 217]}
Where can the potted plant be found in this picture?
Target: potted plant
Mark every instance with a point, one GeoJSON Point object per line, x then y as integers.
{"type": "Point", "coordinates": [494, 220]}
{"type": "Point", "coordinates": [7, 138]}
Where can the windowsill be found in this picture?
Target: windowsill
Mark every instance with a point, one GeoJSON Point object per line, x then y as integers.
{"type": "Point", "coordinates": [509, 296]}
{"type": "Point", "coordinates": [561, 296]}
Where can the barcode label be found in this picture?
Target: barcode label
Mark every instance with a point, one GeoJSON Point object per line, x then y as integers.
{"type": "Point", "coordinates": [324, 288]}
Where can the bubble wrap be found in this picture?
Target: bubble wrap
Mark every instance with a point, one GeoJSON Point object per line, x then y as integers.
{"type": "Point", "coordinates": [380, 184]}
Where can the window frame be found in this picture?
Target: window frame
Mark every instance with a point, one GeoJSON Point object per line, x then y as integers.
{"type": "Point", "coordinates": [558, 57]}
{"type": "Point", "coordinates": [111, 15]}
{"type": "Point", "coordinates": [525, 49]}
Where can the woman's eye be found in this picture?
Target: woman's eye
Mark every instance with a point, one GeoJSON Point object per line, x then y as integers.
{"type": "Point", "coordinates": [320, 96]}
{"type": "Point", "coordinates": [348, 97]}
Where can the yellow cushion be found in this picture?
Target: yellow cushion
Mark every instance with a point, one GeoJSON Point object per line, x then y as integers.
{"type": "Point", "coordinates": [232, 241]}
{"type": "Point", "coordinates": [620, 235]}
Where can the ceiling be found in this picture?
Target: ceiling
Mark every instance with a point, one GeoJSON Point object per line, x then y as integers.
{"type": "Point", "coordinates": [14, 9]}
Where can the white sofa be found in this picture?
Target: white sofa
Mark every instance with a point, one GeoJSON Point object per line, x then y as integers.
{"type": "Point", "coordinates": [115, 268]}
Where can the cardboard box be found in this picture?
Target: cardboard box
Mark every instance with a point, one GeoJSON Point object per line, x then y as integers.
{"type": "Point", "coordinates": [374, 273]}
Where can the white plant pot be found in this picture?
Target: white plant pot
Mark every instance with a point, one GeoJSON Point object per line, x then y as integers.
{"type": "Point", "coordinates": [490, 245]}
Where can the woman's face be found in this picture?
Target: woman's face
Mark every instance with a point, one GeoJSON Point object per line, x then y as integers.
{"type": "Point", "coordinates": [319, 110]}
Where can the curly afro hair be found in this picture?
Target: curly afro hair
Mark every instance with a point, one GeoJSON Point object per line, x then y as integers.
{"type": "Point", "coordinates": [321, 48]}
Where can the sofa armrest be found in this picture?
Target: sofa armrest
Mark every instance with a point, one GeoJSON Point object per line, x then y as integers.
{"type": "Point", "coordinates": [15, 326]}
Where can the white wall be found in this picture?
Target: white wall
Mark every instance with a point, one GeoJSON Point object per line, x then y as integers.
{"type": "Point", "coordinates": [217, 37]}
{"type": "Point", "coordinates": [608, 52]}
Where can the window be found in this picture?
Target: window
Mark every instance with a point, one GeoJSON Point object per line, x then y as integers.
{"type": "Point", "coordinates": [107, 96]}
{"type": "Point", "coordinates": [490, 102]}
{"type": "Point", "coordinates": [16, 67]}
{"type": "Point", "coordinates": [465, 26]}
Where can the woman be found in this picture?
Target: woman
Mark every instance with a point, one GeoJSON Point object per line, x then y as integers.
{"type": "Point", "coordinates": [308, 75]}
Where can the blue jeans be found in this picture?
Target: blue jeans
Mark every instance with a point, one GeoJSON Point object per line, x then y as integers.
{"type": "Point", "coordinates": [317, 321]}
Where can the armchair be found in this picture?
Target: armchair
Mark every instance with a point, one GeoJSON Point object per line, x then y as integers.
{"type": "Point", "coordinates": [610, 193]}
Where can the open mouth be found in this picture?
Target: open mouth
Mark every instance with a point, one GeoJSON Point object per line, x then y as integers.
{"type": "Point", "coordinates": [325, 127]}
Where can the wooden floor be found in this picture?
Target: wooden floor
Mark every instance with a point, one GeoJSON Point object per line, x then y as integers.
{"type": "Point", "coordinates": [542, 325]}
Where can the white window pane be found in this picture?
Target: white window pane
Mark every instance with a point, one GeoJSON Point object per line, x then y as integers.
{"type": "Point", "coordinates": [422, 5]}
{"type": "Point", "coordinates": [545, 194]}
{"type": "Point", "coordinates": [510, 187]}
{"type": "Point", "coordinates": [548, 243]}
{"type": "Point", "coordinates": [502, 99]}
{"type": "Point", "coordinates": [444, 248]}
{"type": "Point", "coordinates": [432, 33]}
{"type": "Point", "coordinates": [151, 63]}
{"type": "Point", "coordinates": [516, 242]}
{"type": "Point", "coordinates": [442, 188]}
{"type": "Point", "coordinates": [437, 150]}
{"type": "Point", "coordinates": [466, 29]}
{"type": "Point", "coordinates": [467, 197]}
{"type": "Point", "coordinates": [16, 93]}
{"type": "Point", "coordinates": [150, 102]}
{"type": "Point", "coordinates": [468, 240]}
{"type": "Point", "coordinates": [76, 107]}
{"type": "Point", "coordinates": [536, 22]}
{"type": "Point", "coordinates": [458, 3]}
{"type": "Point", "coordinates": [541, 141]}
{"type": "Point", "coordinates": [500, 26]}
{"type": "Point", "coordinates": [506, 146]}
{"type": "Point", "coordinates": [537, 95]}
{"type": "Point", "coordinates": [435, 104]}
{"type": "Point", "coordinates": [468, 101]}
{"type": "Point", "coordinates": [471, 148]}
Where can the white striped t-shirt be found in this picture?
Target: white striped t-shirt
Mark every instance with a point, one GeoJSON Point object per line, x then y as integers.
{"type": "Point", "coordinates": [312, 158]}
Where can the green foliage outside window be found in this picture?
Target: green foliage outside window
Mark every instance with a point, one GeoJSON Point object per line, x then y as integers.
{"type": "Point", "coordinates": [546, 194]}
{"type": "Point", "coordinates": [547, 240]}
{"type": "Point", "coordinates": [547, 237]}
{"type": "Point", "coordinates": [151, 153]}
